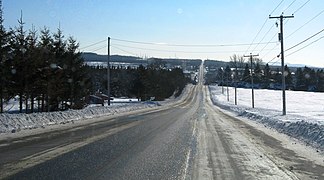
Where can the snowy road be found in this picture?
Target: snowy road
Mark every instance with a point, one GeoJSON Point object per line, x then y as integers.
{"type": "Point", "coordinates": [191, 139]}
{"type": "Point", "coordinates": [229, 148]}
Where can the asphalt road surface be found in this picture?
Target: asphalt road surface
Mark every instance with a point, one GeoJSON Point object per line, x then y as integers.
{"type": "Point", "coordinates": [190, 139]}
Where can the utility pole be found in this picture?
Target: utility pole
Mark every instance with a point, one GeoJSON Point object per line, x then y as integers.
{"type": "Point", "coordinates": [222, 80]}
{"type": "Point", "coordinates": [235, 79]}
{"type": "Point", "coordinates": [227, 88]}
{"type": "Point", "coordinates": [108, 72]}
{"type": "Point", "coordinates": [251, 59]}
{"type": "Point", "coordinates": [281, 17]}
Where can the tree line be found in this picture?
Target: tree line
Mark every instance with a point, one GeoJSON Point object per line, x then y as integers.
{"type": "Point", "coordinates": [238, 73]}
{"type": "Point", "coordinates": [41, 66]}
{"type": "Point", "coordinates": [140, 82]}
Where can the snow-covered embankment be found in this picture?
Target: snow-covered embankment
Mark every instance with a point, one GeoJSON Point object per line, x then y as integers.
{"type": "Point", "coordinates": [303, 121]}
{"type": "Point", "coordinates": [12, 123]}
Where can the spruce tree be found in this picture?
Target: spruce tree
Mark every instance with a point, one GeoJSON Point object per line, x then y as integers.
{"type": "Point", "coordinates": [46, 58]}
{"type": "Point", "coordinates": [257, 73]}
{"type": "Point", "coordinates": [266, 76]}
{"type": "Point", "coordinates": [288, 76]}
{"type": "Point", "coordinates": [4, 57]}
{"type": "Point", "coordinates": [18, 62]}
{"type": "Point", "coordinates": [246, 73]}
{"type": "Point", "coordinates": [31, 68]}
{"type": "Point", "coordinates": [300, 80]}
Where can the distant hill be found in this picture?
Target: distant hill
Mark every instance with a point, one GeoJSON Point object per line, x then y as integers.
{"type": "Point", "coordinates": [93, 57]}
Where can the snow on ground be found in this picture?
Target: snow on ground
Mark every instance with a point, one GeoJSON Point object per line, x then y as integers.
{"type": "Point", "coordinates": [305, 111]}
{"type": "Point", "coordinates": [14, 122]}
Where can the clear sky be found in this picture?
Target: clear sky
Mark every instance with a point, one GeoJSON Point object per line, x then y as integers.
{"type": "Point", "coordinates": [182, 22]}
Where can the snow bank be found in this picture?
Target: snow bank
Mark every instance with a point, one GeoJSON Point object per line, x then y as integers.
{"type": "Point", "coordinates": [304, 119]}
{"type": "Point", "coordinates": [16, 122]}
{"type": "Point", "coordinates": [10, 122]}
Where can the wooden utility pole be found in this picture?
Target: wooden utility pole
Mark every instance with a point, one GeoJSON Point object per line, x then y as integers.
{"type": "Point", "coordinates": [281, 17]}
{"type": "Point", "coordinates": [227, 90]}
{"type": "Point", "coordinates": [108, 72]}
{"type": "Point", "coordinates": [235, 79]}
{"type": "Point", "coordinates": [222, 80]}
{"type": "Point", "coordinates": [252, 84]}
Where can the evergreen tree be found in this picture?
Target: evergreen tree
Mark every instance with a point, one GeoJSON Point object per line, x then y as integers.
{"type": "Point", "coordinates": [45, 59]}
{"type": "Point", "coordinates": [18, 62]}
{"type": "Point", "coordinates": [246, 74]}
{"type": "Point", "coordinates": [76, 75]}
{"type": "Point", "coordinates": [310, 79]}
{"type": "Point", "coordinates": [288, 76]}
{"type": "Point", "coordinates": [31, 68]}
{"type": "Point", "coordinates": [320, 80]}
{"type": "Point", "coordinates": [4, 56]}
{"type": "Point", "coordinates": [57, 81]}
{"type": "Point", "coordinates": [266, 76]}
{"type": "Point", "coordinates": [257, 73]}
{"type": "Point", "coordinates": [228, 75]}
{"type": "Point", "coordinates": [278, 77]}
{"type": "Point", "coordinates": [220, 76]}
{"type": "Point", "coordinates": [300, 80]}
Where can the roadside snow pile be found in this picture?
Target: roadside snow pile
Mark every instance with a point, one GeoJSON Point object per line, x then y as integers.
{"type": "Point", "coordinates": [11, 122]}
{"type": "Point", "coordinates": [305, 112]}
{"type": "Point", "coordinates": [16, 122]}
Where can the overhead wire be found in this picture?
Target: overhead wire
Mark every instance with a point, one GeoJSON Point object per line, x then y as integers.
{"type": "Point", "coordinates": [268, 44]}
{"type": "Point", "coordinates": [298, 9]}
{"type": "Point", "coordinates": [171, 51]}
{"type": "Point", "coordinates": [256, 36]}
{"type": "Point", "coordinates": [289, 5]}
{"type": "Point", "coordinates": [301, 7]}
{"type": "Point", "coordinates": [124, 50]}
{"type": "Point", "coordinates": [263, 38]}
{"type": "Point", "coordinates": [99, 42]}
{"type": "Point", "coordinates": [184, 45]}
{"type": "Point", "coordinates": [312, 36]}
{"type": "Point", "coordinates": [305, 23]}
{"type": "Point", "coordinates": [277, 7]}
{"type": "Point", "coordinates": [97, 49]}
{"type": "Point", "coordinates": [305, 46]}
{"type": "Point", "coordinates": [263, 25]}
{"type": "Point", "coordinates": [275, 62]}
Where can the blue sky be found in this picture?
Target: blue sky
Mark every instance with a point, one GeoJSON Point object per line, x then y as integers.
{"type": "Point", "coordinates": [188, 22]}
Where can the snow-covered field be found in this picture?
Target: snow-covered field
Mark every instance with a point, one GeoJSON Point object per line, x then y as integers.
{"type": "Point", "coordinates": [15, 122]}
{"type": "Point", "coordinates": [305, 111]}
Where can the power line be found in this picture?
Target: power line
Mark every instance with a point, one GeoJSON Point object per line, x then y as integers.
{"type": "Point", "coordinates": [99, 42]}
{"type": "Point", "coordinates": [306, 46]}
{"type": "Point", "coordinates": [184, 45]}
{"type": "Point", "coordinates": [268, 44]}
{"type": "Point", "coordinates": [263, 26]}
{"type": "Point", "coordinates": [305, 23]}
{"type": "Point", "coordinates": [124, 50]}
{"type": "Point", "coordinates": [275, 62]}
{"type": "Point", "coordinates": [289, 5]}
{"type": "Point", "coordinates": [277, 7]}
{"type": "Point", "coordinates": [256, 36]}
{"type": "Point", "coordinates": [305, 40]}
{"type": "Point", "coordinates": [263, 38]}
{"type": "Point", "coordinates": [171, 51]}
{"type": "Point", "coordinates": [272, 59]}
{"type": "Point", "coordinates": [301, 7]}
{"type": "Point", "coordinates": [97, 49]}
